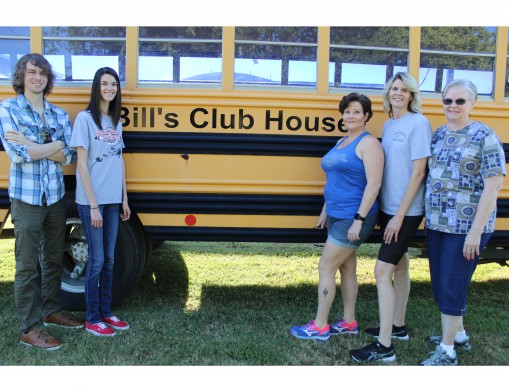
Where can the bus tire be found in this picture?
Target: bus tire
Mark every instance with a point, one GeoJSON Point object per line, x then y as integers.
{"type": "Point", "coordinates": [130, 256]}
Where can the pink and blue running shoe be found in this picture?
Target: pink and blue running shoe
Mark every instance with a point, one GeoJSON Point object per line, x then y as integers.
{"type": "Point", "coordinates": [311, 331]}
{"type": "Point", "coordinates": [341, 327]}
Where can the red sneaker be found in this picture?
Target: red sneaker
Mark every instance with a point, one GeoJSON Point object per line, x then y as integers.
{"type": "Point", "coordinates": [99, 329]}
{"type": "Point", "coordinates": [115, 322]}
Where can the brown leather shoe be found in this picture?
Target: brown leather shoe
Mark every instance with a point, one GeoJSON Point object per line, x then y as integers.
{"type": "Point", "coordinates": [58, 319]}
{"type": "Point", "coordinates": [41, 339]}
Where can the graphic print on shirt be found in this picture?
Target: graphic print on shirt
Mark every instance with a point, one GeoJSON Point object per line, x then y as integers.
{"type": "Point", "coordinates": [112, 138]}
{"type": "Point", "coordinates": [331, 160]}
{"type": "Point", "coordinates": [399, 137]}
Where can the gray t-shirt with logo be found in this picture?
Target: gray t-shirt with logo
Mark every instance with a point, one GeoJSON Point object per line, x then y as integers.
{"type": "Point", "coordinates": [403, 140]}
{"type": "Point", "coordinates": [104, 147]}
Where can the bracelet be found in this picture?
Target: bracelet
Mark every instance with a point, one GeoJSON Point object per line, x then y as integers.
{"type": "Point", "coordinates": [94, 208]}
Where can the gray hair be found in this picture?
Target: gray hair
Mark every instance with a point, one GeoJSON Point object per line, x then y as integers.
{"type": "Point", "coordinates": [464, 83]}
{"type": "Point", "coordinates": [411, 84]}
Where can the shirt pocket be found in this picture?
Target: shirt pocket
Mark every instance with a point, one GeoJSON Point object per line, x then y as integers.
{"type": "Point", "coordinates": [470, 161]}
{"type": "Point", "coordinates": [29, 129]}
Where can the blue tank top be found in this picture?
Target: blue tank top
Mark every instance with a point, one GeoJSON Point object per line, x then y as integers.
{"type": "Point", "coordinates": [346, 180]}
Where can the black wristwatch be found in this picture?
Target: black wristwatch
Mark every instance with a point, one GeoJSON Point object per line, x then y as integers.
{"type": "Point", "coordinates": [357, 216]}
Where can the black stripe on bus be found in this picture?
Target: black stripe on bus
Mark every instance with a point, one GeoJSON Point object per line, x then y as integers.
{"type": "Point", "coordinates": [227, 144]}
{"type": "Point", "coordinates": [231, 144]}
{"type": "Point", "coordinates": [250, 204]}
{"type": "Point", "coordinates": [506, 152]}
{"type": "Point", "coordinates": [189, 233]}
{"type": "Point", "coordinates": [503, 208]}
{"type": "Point", "coordinates": [5, 202]}
{"type": "Point", "coordinates": [183, 233]}
{"type": "Point", "coordinates": [207, 203]}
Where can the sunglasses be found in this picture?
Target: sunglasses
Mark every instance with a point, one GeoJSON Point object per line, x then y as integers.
{"type": "Point", "coordinates": [459, 101]}
{"type": "Point", "coordinates": [46, 134]}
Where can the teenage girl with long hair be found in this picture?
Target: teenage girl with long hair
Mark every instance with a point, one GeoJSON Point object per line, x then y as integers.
{"type": "Point", "coordinates": [101, 195]}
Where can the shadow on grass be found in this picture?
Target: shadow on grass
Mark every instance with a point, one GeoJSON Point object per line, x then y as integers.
{"type": "Point", "coordinates": [274, 310]}
{"type": "Point", "coordinates": [263, 297]}
{"type": "Point", "coordinates": [165, 279]}
{"type": "Point", "coordinates": [166, 282]}
{"type": "Point", "coordinates": [249, 324]}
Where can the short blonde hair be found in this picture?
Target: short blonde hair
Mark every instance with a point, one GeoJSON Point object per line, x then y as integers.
{"type": "Point", "coordinates": [415, 104]}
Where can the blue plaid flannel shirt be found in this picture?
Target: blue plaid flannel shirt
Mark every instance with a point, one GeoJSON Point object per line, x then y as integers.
{"type": "Point", "coordinates": [30, 180]}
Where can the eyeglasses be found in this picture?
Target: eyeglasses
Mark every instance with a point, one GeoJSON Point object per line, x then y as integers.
{"type": "Point", "coordinates": [459, 101]}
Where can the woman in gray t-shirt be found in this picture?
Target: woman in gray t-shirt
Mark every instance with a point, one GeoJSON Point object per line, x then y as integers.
{"type": "Point", "coordinates": [406, 140]}
{"type": "Point", "coordinates": [100, 190]}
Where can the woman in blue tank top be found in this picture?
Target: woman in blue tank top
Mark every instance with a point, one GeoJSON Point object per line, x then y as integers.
{"type": "Point", "coordinates": [354, 170]}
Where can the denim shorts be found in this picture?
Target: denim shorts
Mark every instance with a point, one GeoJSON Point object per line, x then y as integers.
{"type": "Point", "coordinates": [450, 272]}
{"type": "Point", "coordinates": [338, 231]}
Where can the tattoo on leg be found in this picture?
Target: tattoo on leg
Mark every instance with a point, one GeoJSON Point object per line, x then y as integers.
{"type": "Point", "coordinates": [325, 292]}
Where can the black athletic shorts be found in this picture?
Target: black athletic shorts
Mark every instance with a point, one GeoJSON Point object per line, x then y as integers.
{"type": "Point", "coordinates": [393, 252]}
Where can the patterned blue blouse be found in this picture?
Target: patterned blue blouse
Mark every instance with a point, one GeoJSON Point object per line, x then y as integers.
{"type": "Point", "coordinates": [459, 162]}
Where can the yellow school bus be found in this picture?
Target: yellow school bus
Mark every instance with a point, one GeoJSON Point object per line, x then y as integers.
{"type": "Point", "coordinates": [225, 127]}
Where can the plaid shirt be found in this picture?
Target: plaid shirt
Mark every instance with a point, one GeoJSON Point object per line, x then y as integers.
{"type": "Point", "coordinates": [30, 180]}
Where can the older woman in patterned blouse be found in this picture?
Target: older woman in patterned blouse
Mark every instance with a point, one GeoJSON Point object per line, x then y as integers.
{"type": "Point", "coordinates": [466, 171]}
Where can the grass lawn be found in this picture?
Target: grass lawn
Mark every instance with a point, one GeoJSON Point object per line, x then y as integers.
{"type": "Point", "coordinates": [233, 304]}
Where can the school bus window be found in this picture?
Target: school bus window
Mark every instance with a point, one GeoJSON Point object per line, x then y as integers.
{"type": "Point", "coordinates": [365, 57]}
{"type": "Point", "coordinates": [458, 52]}
{"type": "Point", "coordinates": [14, 43]}
{"type": "Point", "coordinates": [440, 69]}
{"type": "Point", "coordinates": [276, 56]}
{"type": "Point", "coordinates": [180, 55]}
{"type": "Point", "coordinates": [76, 52]}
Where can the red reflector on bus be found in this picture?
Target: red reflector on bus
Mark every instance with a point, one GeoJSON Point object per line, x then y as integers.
{"type": "Point", "coordinates": [190, 220]}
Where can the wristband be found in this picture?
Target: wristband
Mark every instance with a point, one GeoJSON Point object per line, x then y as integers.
{"type": "Point", "coordinates": [357, 216]}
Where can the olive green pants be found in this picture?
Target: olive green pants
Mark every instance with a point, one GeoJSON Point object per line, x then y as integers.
{"type": "Point", "coordinates": [40, 238]}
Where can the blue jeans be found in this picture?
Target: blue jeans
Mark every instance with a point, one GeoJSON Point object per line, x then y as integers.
{"type": "Point", "coordinates": [101, 256]}
{"type": "Point", "coordinates": [450, 271]}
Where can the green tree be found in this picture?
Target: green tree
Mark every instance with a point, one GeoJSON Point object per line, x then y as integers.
{"type": "Point", "coordinates": [84, 44]}
{"type": "Point", "coordinates": [455, 41]}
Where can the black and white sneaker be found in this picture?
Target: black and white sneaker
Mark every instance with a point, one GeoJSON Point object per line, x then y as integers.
{"type": "Point", "coordinates": [374, 352]}
{"type": "Point", "coordinates": [463, 346]}
{"type": "Point", "coordinates": [398, 333]}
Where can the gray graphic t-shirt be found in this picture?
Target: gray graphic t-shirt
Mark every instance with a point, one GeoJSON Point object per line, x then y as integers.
{"type": "Point", "coordinates": [104, 147]}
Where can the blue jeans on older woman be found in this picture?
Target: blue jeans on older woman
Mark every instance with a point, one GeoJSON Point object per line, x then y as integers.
{"type": "Point", "coordinates": [101, 256]}
{"type": "Point", "coordinates": [450, 271]}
